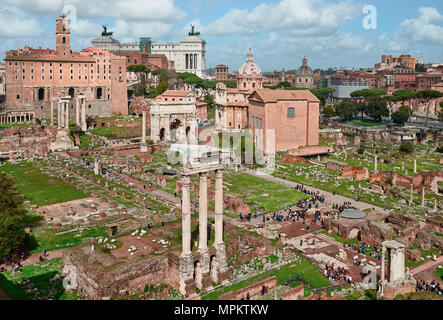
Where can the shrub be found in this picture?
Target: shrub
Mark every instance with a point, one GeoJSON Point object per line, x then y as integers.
{"type": "Point", "coordinates": [407, 147]}
{"type": "Point", "coordinates": [361, 151]}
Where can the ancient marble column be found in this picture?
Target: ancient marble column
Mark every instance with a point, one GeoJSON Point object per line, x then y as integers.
{"type": "Point", "coordinates": [411, 197]}
{"type": "Point", "coordinates": [144, 146]}
{"type": "Point", "coordinates": [383, 254]}
{"type": "Point", "coordinates": [62, 114]}
{"type": "Point", "coordinates": [203, 213]}
{"type": "Point", "coordinates": [77, 111]}
{"type": "Point", "coordinates": [83, 106]}
{"type": "Point", "coordinates": [59, 115]}
{"type": "Point", "coordinates": [221, 263]}
{"type": "Point", "coordinates": [415, 166]}
{"type": "Point", "coordinates": [376, 163]}
{"type": "Point", "coordinates": [187, 284]}
{"type": "Point", "coordinates": [186, 211]}
{"type": "Point", "coordinates": [67, 115]}
{"type": "Point", "coordinates": [422, 196]}
{"type": "Point", "coordinates": [203, 279]}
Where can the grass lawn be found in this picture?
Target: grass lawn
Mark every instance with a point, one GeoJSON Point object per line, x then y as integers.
{"type": "Point", "coordinates": [48, 240]}
{"type": "Point", "coordinates": [39, 188]}
{"type": "Point", "coordinates": [269, 195]}
{"type": "Point", "coordinates": [366, 123]}
{"type": "Point", "coordinates": [303, 270]}
{"type": "Point", "coordinates": [439, 274]}
{"type": "Point", "coordinates": [42, 278]}
{"type": "Point", "coordinates": [211, 114]}
{"type": "Point", "coordinates": [119, 132]}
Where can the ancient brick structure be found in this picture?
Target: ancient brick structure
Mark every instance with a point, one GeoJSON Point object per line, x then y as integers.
{"type": "Point", "coordinates": [252, 290]}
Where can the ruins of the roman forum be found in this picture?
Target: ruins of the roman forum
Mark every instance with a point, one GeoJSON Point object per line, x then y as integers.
{"type": "Point", "coordinates": [132, 171]}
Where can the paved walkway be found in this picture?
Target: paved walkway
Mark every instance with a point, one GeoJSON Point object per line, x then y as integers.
{"type": "Point", "coordinates": [329, 197]}
{"type": "Point", "coordinates": [33, 259]}
{"type": "Point", "coordinates": [428, 265]}
{"type": "Point", "coordinates": [166, 196]}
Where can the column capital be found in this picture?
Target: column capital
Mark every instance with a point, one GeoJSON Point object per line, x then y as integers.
{"type": "Point", "coordinates": [186, 181]}
{"type": "Point", "coordinates": [219, 173]}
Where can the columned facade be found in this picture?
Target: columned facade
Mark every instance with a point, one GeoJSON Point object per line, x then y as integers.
{"type": "Point", "coordinates": [201, 270]}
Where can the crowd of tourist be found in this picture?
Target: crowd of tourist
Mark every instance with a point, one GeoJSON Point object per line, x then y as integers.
{"type": "Point", "coordinates": [430, 287]}
{"type": "Point", "coordinates": [364, 247]}
{"type": "Point", "coordinates": [336, 274]}
{"type": "Point", "coordinates": [341, 208]}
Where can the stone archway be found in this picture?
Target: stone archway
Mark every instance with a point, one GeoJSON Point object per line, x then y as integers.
{"type": "Point", "coordinates": [174, 129]}
{"type": "Point", "coordinates": [434, 184]}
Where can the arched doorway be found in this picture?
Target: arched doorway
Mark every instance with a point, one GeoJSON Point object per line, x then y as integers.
{"type": "Point", "coordinates": [174, 128]}
{"type": "Point", "coordinates": [163, 134]}
{"type": "Point", "coordinates": [188, 136]}
{"type": "Point", "coordinates": [99, 93]}
{"type": "Point", "coordinates": [71, 92]}
{"type": "Point", "coordinates": [41, 94]}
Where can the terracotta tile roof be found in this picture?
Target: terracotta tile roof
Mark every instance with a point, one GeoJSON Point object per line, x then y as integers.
{"type": "Point", "coordinates": [269, 95]}
{"type": "Point", "coordinates": [175, 93]}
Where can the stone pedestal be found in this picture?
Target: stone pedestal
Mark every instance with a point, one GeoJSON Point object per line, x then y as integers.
{"type": "Point", "coordinates": [62, 142]}
{"type": "Point", "coordinates": [187, 283]}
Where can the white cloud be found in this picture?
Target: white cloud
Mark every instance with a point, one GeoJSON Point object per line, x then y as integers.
{"type": "Point", "coordinates": [164, 10]}
{"type": "Point", "coordinates": [426, 28]}
{"type": "Point", "coordinates": [14, 23]}
{"type": "Point", "coordinates": [295, 17]}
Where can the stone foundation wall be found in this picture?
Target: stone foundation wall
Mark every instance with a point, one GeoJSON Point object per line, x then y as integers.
{"type": "Point", "coordinates": [297, 293]}
{"type": "Point", "coordinates": [252, 290]}
{"type": "Point", "coordinates": [391, 293]}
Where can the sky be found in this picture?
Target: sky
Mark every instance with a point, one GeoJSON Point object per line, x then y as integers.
{"type": "Point", "coordinates": [329, 33]}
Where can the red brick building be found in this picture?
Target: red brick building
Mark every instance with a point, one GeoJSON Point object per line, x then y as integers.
{"type": "Point", "coordinates": [35, 77]}
{"type": "Point", "coordinates": [293, 115]}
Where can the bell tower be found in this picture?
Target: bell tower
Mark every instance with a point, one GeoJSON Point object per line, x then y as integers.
{"type": "Point", "coordinates": [63, 36]}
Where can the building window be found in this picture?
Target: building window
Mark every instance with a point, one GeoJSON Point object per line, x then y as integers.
{"type": "Point", "coordinates": [291, 113]}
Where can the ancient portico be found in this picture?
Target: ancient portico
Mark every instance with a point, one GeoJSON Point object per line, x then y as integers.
{"type": "Point", "coordinates": [207, 269]}
{"type": "Point", "coordinates": [399, 280]}
{"type": "Point", "coordinates": [63, 141]}
{"type": "Point", "coordinates": [174, 120]}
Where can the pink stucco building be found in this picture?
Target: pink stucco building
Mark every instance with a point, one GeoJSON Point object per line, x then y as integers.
{"type": "Point", "coordinates": [291, 116]}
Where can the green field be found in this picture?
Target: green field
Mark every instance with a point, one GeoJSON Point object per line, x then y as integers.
{"type": "Point", "coordinates": [119, 132]}
{"type": "Point", "coordinates": [48, 240]}
{"type": "Point", "coordinates": [257, 191]}
{"type": "Point", "coordinates": [38, 187]}
{"type": "Point", "coordinates": [366, 123]}
{"type": "Point", "coordinates": [42, 278]}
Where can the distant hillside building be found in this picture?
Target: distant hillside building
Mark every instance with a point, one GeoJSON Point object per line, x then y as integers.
{"type": "Point", "coordinates": [188, 56]}
{"type": "Point", "coordinates": [221, 72]}
{"type": "Point", "coordinates": [304, 76]}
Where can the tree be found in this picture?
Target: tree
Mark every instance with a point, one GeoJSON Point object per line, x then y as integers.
{"type": "Point", "coordinates": [209, 99]}
{"type": "Point", "coordinates": [162, 87]}
{"type": "Point", "coordinates": [347, 110]}
{"type": "Point", "coordinates": [12, 218]}
{"type": "Point", "coordinates": [329, 111]}
{"type": "Point", "coordinates": [391, 100]}
{"type": "Point", "coordinates": [142, 72]}
{"type": "Point", "coordinates": [365, 94]}
{"type": "Point", "coordinates": [404, 95]}
{"type": "Point", "coordinates": [376, 108]}
{"type": "Point", "coordinates": [407, 146]}
{"type": "Point", "coordinates": [427, 96]}
{"type": "Point", "coordinates": [401, 116]}
{"type": "Point", "coordinates": [322, 94]}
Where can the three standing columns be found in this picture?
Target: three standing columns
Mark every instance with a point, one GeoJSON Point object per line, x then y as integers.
{"type": "Point", "coordinates": [205, 271]}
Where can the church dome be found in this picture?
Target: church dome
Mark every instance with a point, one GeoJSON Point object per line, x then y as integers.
{"type": "Point", "coordinates": [250, 67]}
{"type": "Point", "coordinates": [305, 70]}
